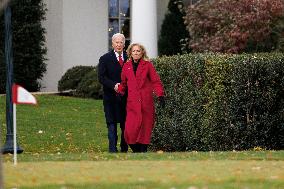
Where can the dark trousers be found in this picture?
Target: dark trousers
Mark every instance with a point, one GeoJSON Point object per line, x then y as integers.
{"type": "Point", "coordinates": [137, 148]}
{"type": "Point", "coordinates": [112, 138]}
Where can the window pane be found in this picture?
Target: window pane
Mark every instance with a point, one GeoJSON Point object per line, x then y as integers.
{"type": "Point", "coordinates": [113, 8]}
{"type": "Point", "coordinates": [119, 19]}
{"type": "Point", "coordinates": [125, 27]}
{"type": "Point", "coordinates": [113, 27]}
{"type": "Point", "coordinates": [124, 8]}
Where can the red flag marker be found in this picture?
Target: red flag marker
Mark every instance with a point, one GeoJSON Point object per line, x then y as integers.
{"type": "Point", "coordinates": [19, 96]}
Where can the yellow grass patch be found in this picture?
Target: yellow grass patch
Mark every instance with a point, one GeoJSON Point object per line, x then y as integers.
{"type": "Point", "coordinates": [162, 172]}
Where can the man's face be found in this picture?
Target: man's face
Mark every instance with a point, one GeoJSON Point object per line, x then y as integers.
{"type": "Point", "coordinates": [117, 44]}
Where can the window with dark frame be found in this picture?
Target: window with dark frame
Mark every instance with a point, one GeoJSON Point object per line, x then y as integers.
{"type": "Point", "coordinates": [119, 20]}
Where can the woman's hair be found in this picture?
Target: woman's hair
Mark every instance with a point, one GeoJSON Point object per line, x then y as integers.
{"type": "Point", "coordinates": [144, 53]}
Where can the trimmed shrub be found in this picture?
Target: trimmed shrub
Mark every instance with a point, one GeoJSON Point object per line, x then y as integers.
{"type": "Point", "coordinates": [89, 86]}
{"type": "Point", "coordinates": [83, 81]}
{"type": "Point", "coordinates": [72, 77]}
{"type": "Point", "coordinates": [179, 123]}
{"type": "Point", "coordinates": [221, 102]}
{"type": "Point", "coordinates": [257, 102]}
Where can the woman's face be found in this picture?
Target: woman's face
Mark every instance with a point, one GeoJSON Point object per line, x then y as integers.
{"type": "Point", "coordinates": [136, 52]}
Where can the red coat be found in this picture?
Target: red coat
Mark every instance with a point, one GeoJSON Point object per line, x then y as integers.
{"type": "Point", "coordinates": [140, 102]}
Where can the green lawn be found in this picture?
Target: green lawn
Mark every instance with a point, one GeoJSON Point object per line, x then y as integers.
{"type": "Point", "coordinates": [240, 170]}
{"type": "Point", "coordinates": [60, 124]}
{"type": "Point", "coordinates": [65, 147]}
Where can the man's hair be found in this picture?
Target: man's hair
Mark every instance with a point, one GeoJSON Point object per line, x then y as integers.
{"type": "Point", "coordinates": [116, 35]}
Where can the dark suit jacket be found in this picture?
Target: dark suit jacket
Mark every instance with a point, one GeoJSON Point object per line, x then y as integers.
{"type": "Point", "coordinates": [109, 73]}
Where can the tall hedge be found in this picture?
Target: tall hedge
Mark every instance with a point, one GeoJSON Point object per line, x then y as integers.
{"type": "Point", "coordinates": [221, 102]}
{"type": "Point", "coordinates": [29, 51]}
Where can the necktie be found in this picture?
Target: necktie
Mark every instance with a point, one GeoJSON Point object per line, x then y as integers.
{"type": "Point", "coordinates": [120, 60]}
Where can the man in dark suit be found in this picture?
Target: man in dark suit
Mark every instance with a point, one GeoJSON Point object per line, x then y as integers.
{"type": "Point", "coordinates": [109, 70]}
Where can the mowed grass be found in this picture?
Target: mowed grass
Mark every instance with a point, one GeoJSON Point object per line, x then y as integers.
{"type": "Point", "coordinates": [65, 147]}
{"type": "Point", "coordinates": [59, 124]}
{"type": "Point", "coordinates": [147, 174]}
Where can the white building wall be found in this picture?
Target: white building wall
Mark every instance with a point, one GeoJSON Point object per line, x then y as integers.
{"type": "Point", "coordinates": [77, 34]}
{"type": "Point", "coordinates": [85, 28]}
{"type": "Point", "coordinates": [54, 44]}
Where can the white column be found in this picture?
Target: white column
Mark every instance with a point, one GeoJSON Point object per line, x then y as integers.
{"type": "Point", "coordinates": [144, 25]}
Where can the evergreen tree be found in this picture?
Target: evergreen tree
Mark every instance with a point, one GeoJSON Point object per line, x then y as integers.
{"type": "Point", "coordinates": [173, 30]}
{"type": "Point", "coordinates": [29, 51]}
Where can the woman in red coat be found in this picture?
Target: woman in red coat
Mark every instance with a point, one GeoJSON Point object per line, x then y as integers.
{"type": "Point", "coordinates": [141, 81]}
